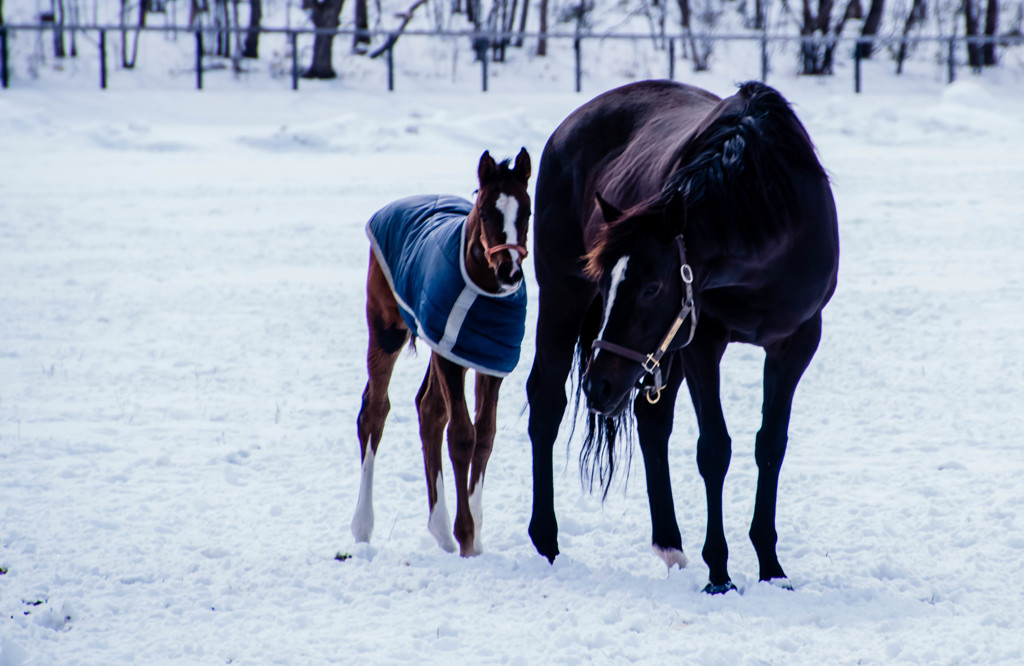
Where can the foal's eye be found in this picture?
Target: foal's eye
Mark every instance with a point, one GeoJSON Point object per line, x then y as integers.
{"type": "Point", "coordinates": [650, 290]}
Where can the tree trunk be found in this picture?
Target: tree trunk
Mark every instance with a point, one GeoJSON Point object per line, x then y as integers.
{"type": "Point", "coordinates": [542, 41]}
{"type": "Point", "coordinates": [522, 22]}
{"type": "Point", "coordinates": [361, 39]}
{"type": "Point", "coordinates": [917, 15]}
{"type": "Point", "coordinates": [326, 15]}
{"type": "Point", "coordinates": [974, 58]}
{"type": "Point", "coordinates": [870, 28]}
{"type": "Point", "coordinates": [252, 36]}
{"type": "Point", "coordinates": [58, 28]}
{"type": "Point", "coordinates": [988, 50]}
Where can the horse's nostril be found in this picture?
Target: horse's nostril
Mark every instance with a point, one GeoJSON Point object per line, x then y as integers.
{"type": "Point", "coordinates": [507, 272]}
{"type": "Point", "coordinates": [597, 392]}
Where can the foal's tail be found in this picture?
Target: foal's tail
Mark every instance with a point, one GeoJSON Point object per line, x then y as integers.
{"type": "Point", "coordinates": [597, 454]}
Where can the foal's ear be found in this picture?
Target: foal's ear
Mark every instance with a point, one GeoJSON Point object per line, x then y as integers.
{"type": "Point", "coordinates": [522, 169]}
{"type": "Point", "coordinates": [488, 169]}
{"type": "Point", "coordinates": [608, 211]}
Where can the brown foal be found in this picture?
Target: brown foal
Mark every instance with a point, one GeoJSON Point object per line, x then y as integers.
{"type": "Point", "coordinates": [492, 250]}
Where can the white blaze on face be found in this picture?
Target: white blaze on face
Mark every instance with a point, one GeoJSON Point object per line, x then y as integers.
{"type": "Point", "coordinates": [618, 275]}
{"type": "Point", "coordinates": [509, 208]}
{"type": "Point", "coordinates": [362, 522]}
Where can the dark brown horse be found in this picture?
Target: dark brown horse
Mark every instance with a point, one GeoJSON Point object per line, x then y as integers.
{"type": "Point", "coordinates": [669, 224]}
{"type": "Point", "coordinates": [448, 272]}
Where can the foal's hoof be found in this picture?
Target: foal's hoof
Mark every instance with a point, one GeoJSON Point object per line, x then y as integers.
{"type": "Point", "coordinates": [722, 588]}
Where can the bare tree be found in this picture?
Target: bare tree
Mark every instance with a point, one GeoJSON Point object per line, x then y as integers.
{"type": "Point", "coordinates": [326, 15]}
{"type": "Point", "coordinates": [361, 38]}
{"type": "Point", "coordinates": [817, 50]}
{"type": "Point", "coordinates": [988, 50]}
{"type": "Point", "coordinates": [917, 15]}
{"type": "Point", "coordinates": [981, 54]}
{"type": "Point", "coordinates": [542, 41]}
{"type": "Point", "coordinates": [870, 28]}
{"type": "Point", "coordinates": [252, 35]}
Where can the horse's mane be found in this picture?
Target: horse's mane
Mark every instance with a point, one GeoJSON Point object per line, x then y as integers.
{"type": "Point", "coordinates": [739, 168]}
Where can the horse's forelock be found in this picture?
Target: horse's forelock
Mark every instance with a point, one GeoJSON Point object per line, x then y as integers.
{"type": "Point", "coordinates": [615, 239]}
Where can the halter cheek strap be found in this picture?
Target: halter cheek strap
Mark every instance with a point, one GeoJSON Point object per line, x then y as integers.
{"type": "Point", "coordinates": [651, 363]}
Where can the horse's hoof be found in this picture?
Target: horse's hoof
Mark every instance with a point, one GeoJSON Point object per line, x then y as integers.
{"type": "Point", "coordinates": [711, 588]}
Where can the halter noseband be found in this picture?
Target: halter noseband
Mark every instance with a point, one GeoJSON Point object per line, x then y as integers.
{"type": "Point", "coordinates": [491, 251]}
{"type": "Point", "coordinates": [651, 363]}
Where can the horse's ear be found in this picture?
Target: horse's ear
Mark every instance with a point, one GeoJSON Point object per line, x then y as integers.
{"type": "Point", "coordinates": [608, 211]}
{"type": "Point", "coordinates": [488, 169]}
{"type": "Point", "coordinates": [522, 169]}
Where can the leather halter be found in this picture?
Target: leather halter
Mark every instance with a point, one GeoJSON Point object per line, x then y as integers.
{"type": "Point", "coordinates": [491, 251]}
{"type": "Point", "coordinates": [651, 363]}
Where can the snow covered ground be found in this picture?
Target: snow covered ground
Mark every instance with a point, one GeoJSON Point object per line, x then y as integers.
{"type": "Point", "coordinates": [181, 361]}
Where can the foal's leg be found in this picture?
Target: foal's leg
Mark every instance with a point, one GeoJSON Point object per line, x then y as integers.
{"type": "Point", "coordinates": [654, 425]}
{"type": "Point", "coordinates": [433, 412]}
{"type": "Point", "coordinates": [485, 424]}
{"type": "Point", "coordinates": [388, 333]}
{"type": "Point", "coordinates": [784, 364]}
{"type": "Point", "coordinates": [461, 442]}
{"type": "Point", "coordinates": [714, 447]}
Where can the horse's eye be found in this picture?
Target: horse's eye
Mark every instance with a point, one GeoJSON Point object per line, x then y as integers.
{"type": "Point", "coordinates": [650, 290]}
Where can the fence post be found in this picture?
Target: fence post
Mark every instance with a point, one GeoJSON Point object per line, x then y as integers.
{"type": "Point", "coordinates": [856, 66]}
{"type": "Point", "coordinates": [4, 78]}
{"type": "Point", "coordinates": [294, 37]}
{"type": "Point", "coordinates": [199, 59]}
{"type": "Point", "coordinates": [671, 59]}
{"type": "Point", "coordinates": [483, 68]}
{"type": "Point", "coordinates": [764, 53]}
{"type": "Point", "coordinates": [579, 64]}
{"type": "Point", "coordinates": [952, 59]}
{"type": "Point", "coordinates": [103, 59]}
{"type": "Point", "coordinates": [391, 69]}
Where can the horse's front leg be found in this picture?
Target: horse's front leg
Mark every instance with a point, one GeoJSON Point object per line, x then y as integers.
{"type": "Point", "coordinates": [784, 364]}
{"type": "Point", "coordinates": [654, 426]}
{"type": "Point", "coordinates": [485, 425]}
{"type": "Point", "coordinates": [461, 443]}
{"type": "Point", "coordinates": [559, 321]}
{"type": "Point", "coordinates": [714, 447]}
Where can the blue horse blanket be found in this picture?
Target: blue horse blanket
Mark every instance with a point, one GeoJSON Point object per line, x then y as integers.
{"type": "Point", "coordinates": [419, 243]}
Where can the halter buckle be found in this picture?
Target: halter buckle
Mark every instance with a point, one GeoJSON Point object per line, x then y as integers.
{"type": "Point", "coordinates": [650, 364]}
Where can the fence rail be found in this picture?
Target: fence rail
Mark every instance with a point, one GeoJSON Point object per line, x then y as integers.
{"type": "Point", "coordinates": [492, 37]}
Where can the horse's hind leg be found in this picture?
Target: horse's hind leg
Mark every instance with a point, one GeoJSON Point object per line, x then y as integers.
{"type": "Point", "coordinates": [485, 425]}
{"type": "Point", "coordinates": [433, 413]}
{"type": "Point", "coordinates": [461, 442]}
{"type": "Point", "coordinates": [388, 334]}
{"type": "Point", "coordinates": [784, 364]}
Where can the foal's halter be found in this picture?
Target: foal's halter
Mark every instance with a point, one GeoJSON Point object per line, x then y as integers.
{"type": "Point", "coordinates": [651, 363]}
{"type": "Point", "coordinates": [491, 251]}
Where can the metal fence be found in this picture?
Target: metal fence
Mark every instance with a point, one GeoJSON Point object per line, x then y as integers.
{"type": "Point", "coordinates": [489, 38]}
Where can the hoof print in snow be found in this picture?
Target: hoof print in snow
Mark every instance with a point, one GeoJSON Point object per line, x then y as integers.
{"type": "Point", "coordinates": [342, 557]}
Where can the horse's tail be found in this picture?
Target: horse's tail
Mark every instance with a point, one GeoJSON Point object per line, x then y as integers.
{"type": "Point", "coordinates": [598, 456]}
